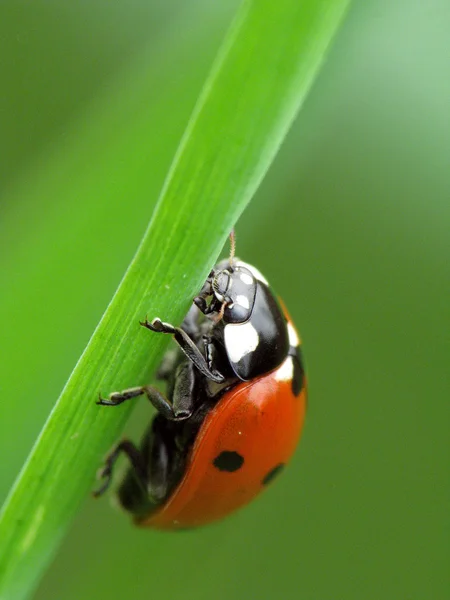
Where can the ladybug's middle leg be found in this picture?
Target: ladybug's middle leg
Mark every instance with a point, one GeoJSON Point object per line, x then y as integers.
{"type": "Point", "coordinates": [183, 397]}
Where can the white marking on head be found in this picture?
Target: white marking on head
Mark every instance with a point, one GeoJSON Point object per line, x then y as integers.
{"type": "Point", "coordinates": [243, 301]}
{"type": "Point", "coordinates": [245, 278]}
{"type": "Point", "coordinates": [254, 271]}
{"type": "Point", "coordinates": [240, 340]}
{"type": "Point", "coordinates": [286, 371]}
{"type": "Point", "coordinates": [293, 337]}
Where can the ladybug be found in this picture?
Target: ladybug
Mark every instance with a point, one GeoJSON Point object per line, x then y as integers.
{"type": "Point", "coordinates": [234, 411]}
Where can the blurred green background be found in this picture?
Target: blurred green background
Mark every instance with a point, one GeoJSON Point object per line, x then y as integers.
{"type": "Point", "coordinates": [352, 228]}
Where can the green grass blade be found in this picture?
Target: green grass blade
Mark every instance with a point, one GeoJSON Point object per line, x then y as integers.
{"type": "Point", "coordinates": [262, 74]}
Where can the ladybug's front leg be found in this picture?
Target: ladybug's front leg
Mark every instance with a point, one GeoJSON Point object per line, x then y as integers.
{"type": "Point", "coordinates": [205, 292]}
{"type": "Point", "coordinates": [186, 345]}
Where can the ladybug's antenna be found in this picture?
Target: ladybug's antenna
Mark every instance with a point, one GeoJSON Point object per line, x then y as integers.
{"type": "Point", "coordinates": [220, 314]}
{"type": "Point", "coordinates": [232, 246]}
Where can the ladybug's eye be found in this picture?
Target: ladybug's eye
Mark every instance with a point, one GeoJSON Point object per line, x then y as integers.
{"type": "Point", "coordinates": [240, 296]}
{"type": "Point", "coordinates": [222, 285]}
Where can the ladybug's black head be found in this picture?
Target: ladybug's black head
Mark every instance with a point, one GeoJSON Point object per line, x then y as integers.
{"type": "Point", "coordinates": [235, 286]}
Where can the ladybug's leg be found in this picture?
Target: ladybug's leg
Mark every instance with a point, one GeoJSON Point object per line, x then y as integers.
{"type": "Point", "coordinates": [200, 303]}
{"type": "Point", "coordinates": [160, 452]}
{"type": "Point", "coordinates": [117, 398]}
{"type": "Point", "coordinates": [159, 401]}
{"type": "Point", "coordinates": [186, 345]}
{"type": "Point", "coordinates": [215, 357]}
{"type": "Point", "coordinates": [157, 450]}
{"type": "Point", "coordinates": [205, 292]}
{"type": "Point", "coordinates": [135, 457]}
{"type": "Point", "coordinates": [183, 397]}
{"type": "Point", "coordinates": [210, 351]}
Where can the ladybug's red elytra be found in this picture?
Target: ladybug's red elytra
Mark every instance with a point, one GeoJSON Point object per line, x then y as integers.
{"type": "Point", "coordinates": [235, 406]}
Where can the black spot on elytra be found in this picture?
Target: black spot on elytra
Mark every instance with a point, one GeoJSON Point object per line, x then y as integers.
{"type": "Point", "coordinates": [299, 372]}
{"type": "Point", "coordinates": [272, 474]}
{"type": "Point", "coordinates": [228, 461]}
